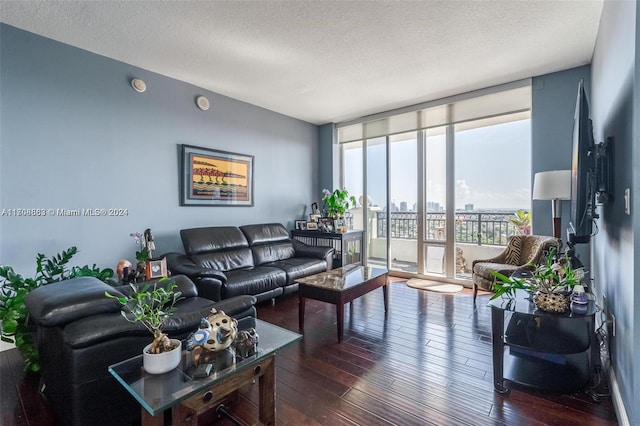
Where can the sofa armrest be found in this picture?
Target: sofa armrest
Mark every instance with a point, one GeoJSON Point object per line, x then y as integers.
{"type": "Point", "coordinates": [60, 303]}
{"type": "Point", "coordinates": [183, 284]}
{"type": "Point", "coordinates": [179, 263]}
{"type": "Point", "coordinates": [316, 252]}
{"type": "Point", "coordinates": [236, 305]}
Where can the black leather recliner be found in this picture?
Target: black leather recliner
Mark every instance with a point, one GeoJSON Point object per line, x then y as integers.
{"type": "Point", "coordinates": [260, 260]}
{"type": "Point", "coordinates": [80, 332]}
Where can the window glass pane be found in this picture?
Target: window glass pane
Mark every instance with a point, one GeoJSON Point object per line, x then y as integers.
{"type": "Point", "coordinates": [377, 212]}
{"type": "Point", "coordinates": [352, 178]}
{"type": "Point", "coordinates": [435, 184]}
{"type": "Point", "coordinates": [493, 180]}
{"type": "Point", "coordinates": [403, 187]}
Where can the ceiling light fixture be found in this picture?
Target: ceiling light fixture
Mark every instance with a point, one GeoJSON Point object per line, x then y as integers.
{"type": "Point", "coordinates": [202, 102]}
{"type": "Point", "coordinates": [138, 85]}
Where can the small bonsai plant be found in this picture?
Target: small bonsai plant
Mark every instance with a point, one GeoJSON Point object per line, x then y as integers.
{"type": "Point", "coordinates": [14, 287]}
{"type": "Point", "coordinates": [151, 305]}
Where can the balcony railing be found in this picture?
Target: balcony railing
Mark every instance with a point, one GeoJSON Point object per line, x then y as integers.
{"type": "Point", "coordinates": [490, 228]}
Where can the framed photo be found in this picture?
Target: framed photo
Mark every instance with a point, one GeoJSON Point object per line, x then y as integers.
{"type": "Point", "coordinates": [156, 268]}
{"type": "Point", "coordinates": [312, 226]}
{"type": "Point", "coordinates": [301, 225]}
{"type": "Point", "coordinates": [215, 178]}
{"type": "Point", "coordinates": [326, 224]}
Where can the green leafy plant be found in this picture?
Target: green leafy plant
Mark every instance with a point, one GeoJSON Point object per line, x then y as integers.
{"type": "Point", "coordinates": [151, 306]}
{"type": "Point", "coordinates": [555, 274]}
{"type": "Point", "coordinates": [338, 202]}
{"type": "Point", "coordinates": [505, 286]}
{"type": "Point", "coordinates": [14, 287]}
{"type": "Point", "coordinates": [521, 219]}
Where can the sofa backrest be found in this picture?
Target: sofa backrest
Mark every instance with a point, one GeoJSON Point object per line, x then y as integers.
{"type": "Point", "coordinates": [269, 242]}
{"type": "Point", "coordinates": [224, 248]}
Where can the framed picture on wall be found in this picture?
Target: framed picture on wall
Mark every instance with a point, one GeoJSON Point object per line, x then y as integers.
{"type": "Point", "coordinates": [211, 177]}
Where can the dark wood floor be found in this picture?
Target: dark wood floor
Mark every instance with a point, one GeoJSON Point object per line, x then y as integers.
{"type": "Point", "coordinates": [428, 362]}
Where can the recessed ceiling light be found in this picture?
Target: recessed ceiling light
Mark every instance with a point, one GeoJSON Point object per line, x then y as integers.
{"type": "Point", "coordinates": [138, 85]}
{"type": "Point", "coordinates": [202, 102]}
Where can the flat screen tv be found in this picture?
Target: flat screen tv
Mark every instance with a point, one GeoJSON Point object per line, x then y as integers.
{"type": "Point", "coordinates": [583, 173]}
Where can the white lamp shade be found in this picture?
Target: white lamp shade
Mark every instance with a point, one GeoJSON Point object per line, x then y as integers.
{"type": "Point", "coordinates": [552, 185]}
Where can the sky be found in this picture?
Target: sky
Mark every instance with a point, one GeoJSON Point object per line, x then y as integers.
{"type": "Point", "coordinates": [492, 168]}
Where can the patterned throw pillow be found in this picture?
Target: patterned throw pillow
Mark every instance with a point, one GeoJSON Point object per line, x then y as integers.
{"type": "Point", "coordinates": [514, 250]}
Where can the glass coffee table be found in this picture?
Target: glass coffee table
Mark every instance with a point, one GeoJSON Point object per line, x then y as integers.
{"type": "Point", "coordinates": [188, 398]}
{"type": "Point", "coordinates": [339, 286]}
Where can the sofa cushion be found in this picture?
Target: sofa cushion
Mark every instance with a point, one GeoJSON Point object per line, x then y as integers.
{"type": "Point", "coordinates": [104, 327]}
{"type": "Point", "coordinates": [299, 267]}
{"type": "Point", "coordinates": [272, 252]}
{"type": "Point", "coordinates": [226, 260]}
{"type": "Point", "coordinates": [256, 280]}
{"type": "Point", "coordinates": [484, 269]}
{"type": "Point", "coordinates": [265, 233]}
{"type": "Point", "coordinates": [62, 302]}
{"type": "Point", "coordinates": [212, 239]}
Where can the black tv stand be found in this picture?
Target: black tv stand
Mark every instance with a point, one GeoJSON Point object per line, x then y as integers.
{"type": "Point", "coordinates": [540, 350]}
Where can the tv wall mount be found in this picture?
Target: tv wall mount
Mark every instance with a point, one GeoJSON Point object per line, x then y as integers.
{"type": "Point", "coordinates": [604, 171]}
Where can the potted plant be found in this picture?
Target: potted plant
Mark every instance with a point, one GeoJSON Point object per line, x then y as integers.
{"type": "Point", "coordinates": [338, 202]}
{"type": "Point", "coordinates": [14, 316]}
{"type": "Point", "coordinates": [151, 305]}
{"type": "Point", "coordinates": [550, 283]}
{"type": "Point", "coordinates": [521, 219]}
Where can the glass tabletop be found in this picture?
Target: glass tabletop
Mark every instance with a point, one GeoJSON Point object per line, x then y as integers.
{"type": "Point", "coordinates": [157, 392]}
{"type": "Point", "coordinates": [523, 304]}
{"type": "Point", "coordinates": [341, 279]}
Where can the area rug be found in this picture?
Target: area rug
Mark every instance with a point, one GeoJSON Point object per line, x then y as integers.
{"type": "Point", "coordinates": [433, 286]}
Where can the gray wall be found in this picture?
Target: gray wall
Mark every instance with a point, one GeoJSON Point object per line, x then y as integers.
{"type": "Point", "coordinates": [553, 107]}
{"type": "Point", "coordinates": [74, 134]}
{"type": "Point", "coordinates": [616, 94]}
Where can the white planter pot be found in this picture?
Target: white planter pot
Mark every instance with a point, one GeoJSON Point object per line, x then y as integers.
{"type": "Point", "coordinates": [164, 362]}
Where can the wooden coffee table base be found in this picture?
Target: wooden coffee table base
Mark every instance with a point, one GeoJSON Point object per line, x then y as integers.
{"type": "Point", "coordinates": [339, 298]}
{"type": "Point", "coordinates": [187, 411]}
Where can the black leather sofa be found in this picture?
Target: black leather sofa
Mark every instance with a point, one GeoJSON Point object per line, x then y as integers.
{"type": "Point", "coordinates": [80, 332]}
{"type": "Point", "coordinates": [259, 260]}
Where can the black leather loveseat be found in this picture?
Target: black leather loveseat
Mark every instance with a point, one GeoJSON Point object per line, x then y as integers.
{"type": "Point", "coordinates": [80, 332]}
{"type": "Point", "coordinates": [260, 260]}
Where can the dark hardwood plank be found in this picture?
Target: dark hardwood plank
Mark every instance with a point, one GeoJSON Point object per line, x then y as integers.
{"type": "Point", "coordinates": [427, 362]}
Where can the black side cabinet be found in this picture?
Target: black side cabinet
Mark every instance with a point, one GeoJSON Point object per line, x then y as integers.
{"type": "Point", "coordinates": [544, 351]}
{"type": "Point", "coordinates": [348, 245]}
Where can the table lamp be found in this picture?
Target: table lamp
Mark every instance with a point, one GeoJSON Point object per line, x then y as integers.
{"type": "Point", "coordinates": [554, 185]}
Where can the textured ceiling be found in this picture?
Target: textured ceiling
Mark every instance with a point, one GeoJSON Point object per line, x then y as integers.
{"type": "Point", "coordinates": [326, 61]}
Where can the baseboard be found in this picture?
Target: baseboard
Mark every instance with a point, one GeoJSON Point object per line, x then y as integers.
{"type": "Point", "coordinates": [4, 346]}
{"type": "Point", "coordinates": [616, 397]}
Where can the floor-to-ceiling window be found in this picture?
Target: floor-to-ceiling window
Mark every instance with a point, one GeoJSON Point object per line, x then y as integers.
{"type": "Point", "coordinates": [438, 183]}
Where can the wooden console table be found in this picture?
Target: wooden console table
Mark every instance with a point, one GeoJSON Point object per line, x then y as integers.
{"type": "Point", "coordinates": [348, 245]}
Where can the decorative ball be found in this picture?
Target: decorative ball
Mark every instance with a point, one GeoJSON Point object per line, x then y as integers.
{"type": "Point", "coordinates": [124, 263]}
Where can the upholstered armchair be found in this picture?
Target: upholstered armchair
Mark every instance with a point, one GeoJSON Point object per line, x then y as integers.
{"type": "Point", "coordinates": [521, 252]}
